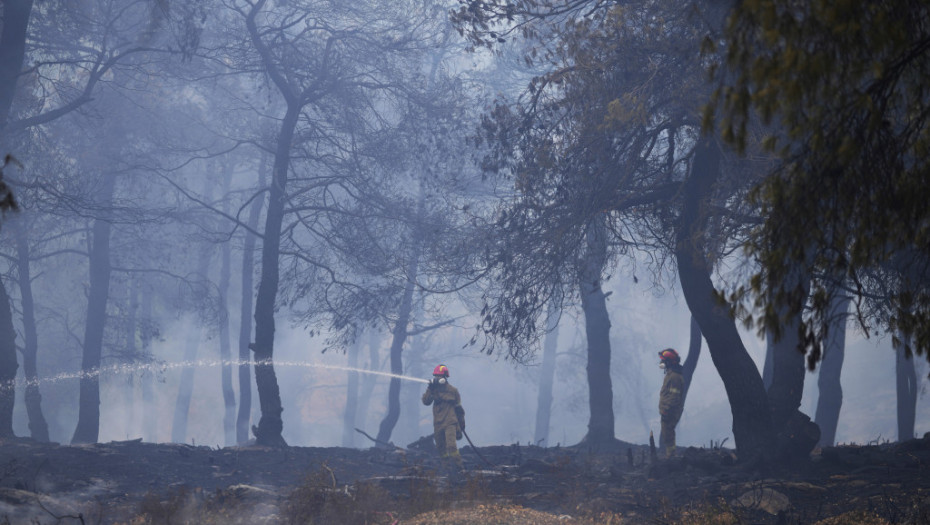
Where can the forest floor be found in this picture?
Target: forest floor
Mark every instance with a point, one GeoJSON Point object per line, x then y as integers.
{"type": "Point", "coordinates": [139, 483]}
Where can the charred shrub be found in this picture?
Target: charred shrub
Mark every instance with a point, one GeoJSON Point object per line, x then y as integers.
{"type": "Point", "coordinates": [320, 500]}
{"type": "Point", "coordinates": [178, 506]}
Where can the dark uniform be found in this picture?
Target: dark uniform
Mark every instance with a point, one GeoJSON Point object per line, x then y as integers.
{"type": "Point", "coordinates": [671, 403]}
{"type": "Point", "coordinates": [448, 418]}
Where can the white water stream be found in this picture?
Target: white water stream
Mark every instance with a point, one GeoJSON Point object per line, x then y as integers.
{"type": "Point", "coordinates": [201, 363]}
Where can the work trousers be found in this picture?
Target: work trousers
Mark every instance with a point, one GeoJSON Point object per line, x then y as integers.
{"type": "Point", "coordinates": [445, 443]}
{"type": "Point", "coordinates": [667, 433]}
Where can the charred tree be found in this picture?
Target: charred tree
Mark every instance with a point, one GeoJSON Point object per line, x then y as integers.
{"type": "Point", "coordinates": [38, 427]}
{"type": "Point", "coordinates": [398, 338]}
{"type": "Point", "coordinates": [350, 414]}
{"type": "Point", "coordinates": [547, 376]}
{"type": "Point", "coordinates": [229, 397]}
{"type": "Point", "coordinates": [752, 423]}
{"type": "Point", "coordinates": [694, 354]}
{"type": "Point", "coordinates": [788, 363]}
{"type": "Point", "coordinates": [8, 364]}
{"type": "Point", "coordinates": [270, 425]}
{"type": "Point", "coordinates": [88, 425]}
{"type": "Point", "coordinates": [12, 50]}
{"type": "Point", "coordinates": [149, 423]}
{"type": "Point", "coordinates": [906, 383]}
{"type": "Point", "coordinates": [768, 365]}
{"type": "Point", "coordinates": [597, 329]}
{"type": "Point", "coordinates": [131, 329]}
{"type": "Point", "coordinates": [830, 400]}
{"type": "Point", "coordinates": [245, 316]}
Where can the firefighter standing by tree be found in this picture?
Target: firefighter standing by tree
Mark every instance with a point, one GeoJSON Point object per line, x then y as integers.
{"type": "Point", "coordinates": [448, 414]}
{"type": "Point", "coordinates": [671, 398]}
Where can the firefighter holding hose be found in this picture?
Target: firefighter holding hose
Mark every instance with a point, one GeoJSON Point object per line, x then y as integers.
{"type": "Point", "coordinates": [448, 414]}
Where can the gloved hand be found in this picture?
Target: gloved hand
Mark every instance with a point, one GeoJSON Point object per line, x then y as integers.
{"type": "Point", "coordinates": [458, 434]}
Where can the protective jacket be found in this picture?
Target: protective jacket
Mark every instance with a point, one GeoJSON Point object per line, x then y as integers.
{"type": "Point", "coordinates": [671, 397]}
{"type": "Point", "coordinates": [447, 406]}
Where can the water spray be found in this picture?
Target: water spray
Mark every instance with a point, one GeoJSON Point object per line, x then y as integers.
{"type": "Point", "coordinates": [202, 363]}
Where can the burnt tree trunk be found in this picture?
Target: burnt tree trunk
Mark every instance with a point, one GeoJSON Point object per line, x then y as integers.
{"type": "Point", "coordinates": [547, 376]}
{"type": "Point", "coordinates": [752, 423]}
{"type": "Point", "coordinates": [788, 363]}
{"type": "Point", "coordinates": [149, 420]}
{"type": "Point", "coordinates": [245, 317]}
{"type": "Point", "coordinates": [694, 354]}
{"type": "Point", "coordinates": [399, 336]}
{"type": "Point", "coordinates": [270, 424]}
{"type": "Point", "coordinates": [768, 365]}
{"type": "Point", "coordinates": [906, 383]}
{"type": "Point", "coordinates": [597, 330]}
{"type": "Point", "coordinates": [131, 329]}
{"type": "Point", "coordinates": [229, 397]}
{"type": "Point", "coordinates": [38, 427]}
{"type": "Point", "coordinates": [88, 425]}
{"type": "Point", "coordinates": [8, 364]}
{"type": "Point", "coordinates": [351, 411]}
{"type": "Point", "coordinates": [12, 50]}
{"type": "Point", "coordinates": [830, 400]}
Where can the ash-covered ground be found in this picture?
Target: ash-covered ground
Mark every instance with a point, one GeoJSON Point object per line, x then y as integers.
{"type": "Point", "coordinates": [135, 482]}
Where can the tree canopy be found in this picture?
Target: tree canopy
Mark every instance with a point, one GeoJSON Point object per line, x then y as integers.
{"type": "Point", "coordinates": [842, 88]}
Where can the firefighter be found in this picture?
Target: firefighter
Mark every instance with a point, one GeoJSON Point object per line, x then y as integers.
{"type": "Point", "coordinates": [448, 414]}
{"type": "Point", "coordinates": [671, 399]}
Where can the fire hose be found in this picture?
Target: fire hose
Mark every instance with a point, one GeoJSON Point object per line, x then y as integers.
{"type": "Point", "coordinates": [473, 447]}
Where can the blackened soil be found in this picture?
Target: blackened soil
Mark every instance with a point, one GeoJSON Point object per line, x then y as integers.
{"type": "Point", "coordinates": [108, 483]}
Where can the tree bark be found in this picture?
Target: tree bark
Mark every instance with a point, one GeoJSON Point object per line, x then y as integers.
{"type": "Point", "coordinates": [131, 329]}
{"type": "Point", "coordinates": [270, 425]}
{"type": "Point", "coordinates": [768, 366]}
{"type": "Point", "coordinates": [752, 423]}
{"type": "Point", "coordinates": [788, 365]}
{"type": "Point", "coordinates": [245, 316]}
{"type": "Point", "coordinates": [694, 353]}
{"type": "Point", "coordinates": [12, 50]}
{"type": "Point", "coordinates": [229, 397]}
{"type": "Point", "coordinates": [351, 410]}
{"type": "Point", "coordinates": [8, 364]}
{"type": "Point", "coordinates": [399, 336]}
{"type": "Point", "coordinates": [149, 424]}
{"type": "Point", "coordinates": [88, 425]}
{"type": "Point", "coordinates": [597, 330]}
{"type": "Point", "coordinates": [906, 383]}
{"type": "Point", "coordinates": [38, 427]}
{"type": "Point", "coordinates": [830, 400]}
{"type": "Point", "coordinates": [547, 376]}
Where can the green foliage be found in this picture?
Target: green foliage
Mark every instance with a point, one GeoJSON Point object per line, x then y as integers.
{"type": "Point", "coordinates": [843, 87]}
{"type": "Point", "coordinates": [609, 130]}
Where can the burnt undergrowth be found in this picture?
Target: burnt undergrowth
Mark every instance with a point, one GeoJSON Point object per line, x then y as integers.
{"type": "Point", "coordinates": [142, 483]}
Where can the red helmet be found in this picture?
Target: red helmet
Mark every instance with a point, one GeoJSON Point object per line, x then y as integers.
{"type": "Point", "coordinates": [669, 355]}
{"type": "Point", "coordinates": [441, 370]}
